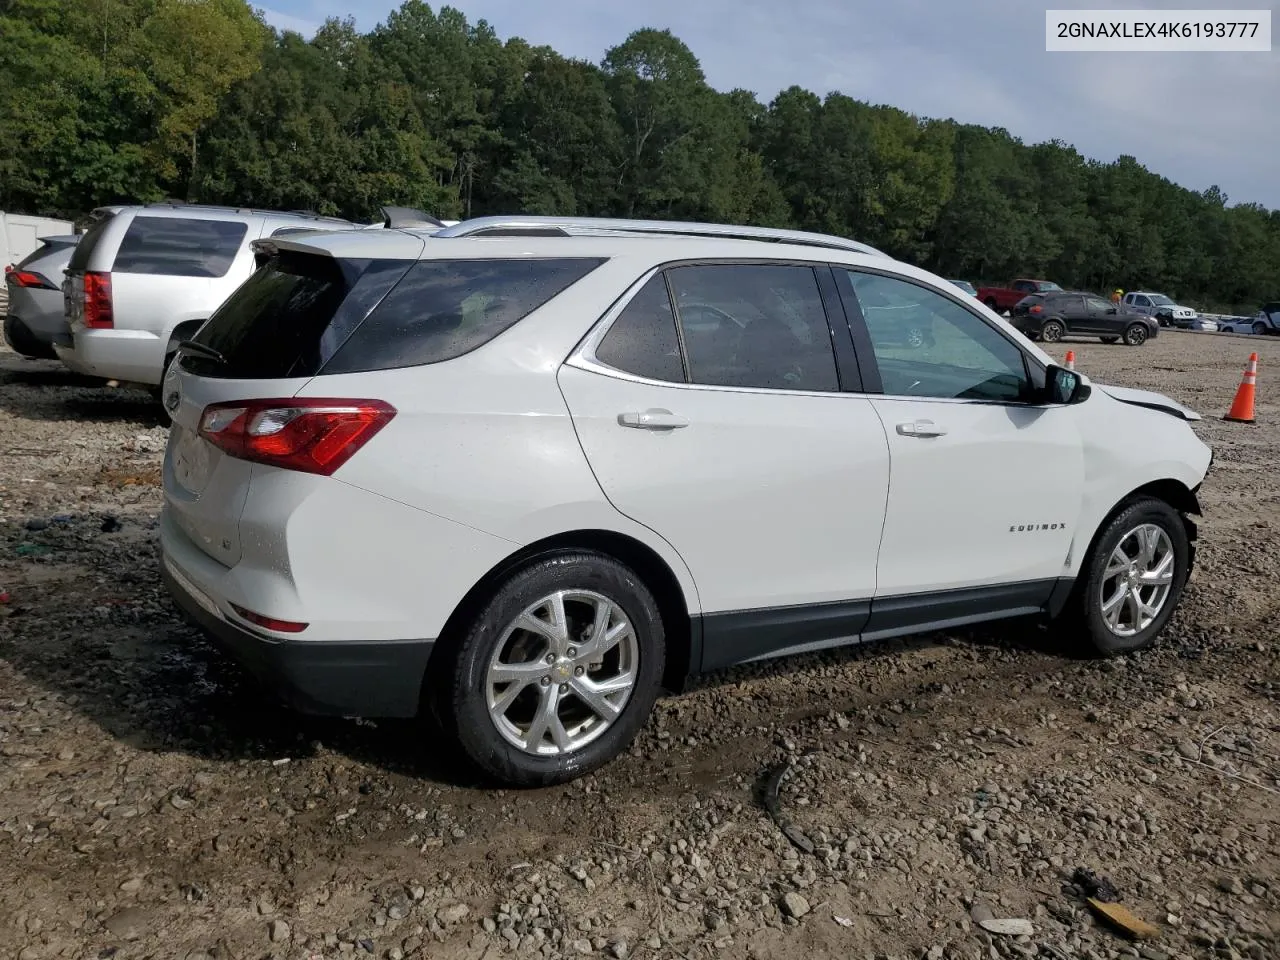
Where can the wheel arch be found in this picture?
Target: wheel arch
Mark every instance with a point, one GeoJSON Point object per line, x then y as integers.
{"type": "Point", "coordinates": [683, 638]}
{"type": "Point", "coordinates": [1174, 492]}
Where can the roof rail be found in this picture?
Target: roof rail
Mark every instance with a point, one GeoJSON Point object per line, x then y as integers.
{"type": "Point", "coordinates": [598, 226]}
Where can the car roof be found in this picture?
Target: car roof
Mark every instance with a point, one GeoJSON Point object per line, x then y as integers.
{"type": "Point", "coordinates": [576, 237]}
{"type": "Point", "coordinates": [214, 212]}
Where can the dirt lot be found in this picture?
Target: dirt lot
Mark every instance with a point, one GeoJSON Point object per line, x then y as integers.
{"type": "Point", "coordinates": [153, 803]}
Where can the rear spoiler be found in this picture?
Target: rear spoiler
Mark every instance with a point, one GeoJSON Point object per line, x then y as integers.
{"type": "Point", "coordinates": [407, 218]}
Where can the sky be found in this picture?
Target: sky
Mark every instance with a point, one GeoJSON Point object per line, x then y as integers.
{"type": "Point", "coordinates": [1198, 119]}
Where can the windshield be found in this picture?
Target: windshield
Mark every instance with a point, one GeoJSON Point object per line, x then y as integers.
{"type": "Point", "coordinates": [1046, 285]}
{"type": "Point", "coordinates": [1160, 300]}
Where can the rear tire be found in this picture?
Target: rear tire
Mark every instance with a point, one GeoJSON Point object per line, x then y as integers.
{"type": "Point", "coordinates": [1135, 335]}
{"type": "Point", "coordinates": [540, 729]}
{"type": "Point", "coordinates": [1052, 331]}
{"type": "Point", "coordinates": [1101, 606]}
{"type": "Point", "coordinates": [991, 302]}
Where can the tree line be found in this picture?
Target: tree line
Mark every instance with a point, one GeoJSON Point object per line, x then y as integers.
{"type": "Point", "coordinates": [199, 100]}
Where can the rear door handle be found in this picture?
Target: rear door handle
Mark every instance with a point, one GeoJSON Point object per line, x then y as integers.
{"type": "Point", "coordinates": [653, 419]}
{"type": "Point", "coordinates": [921, 428]}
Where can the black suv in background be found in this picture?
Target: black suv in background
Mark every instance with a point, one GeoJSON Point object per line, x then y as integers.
{"type": "Point", "coordinates": [1052, 315]}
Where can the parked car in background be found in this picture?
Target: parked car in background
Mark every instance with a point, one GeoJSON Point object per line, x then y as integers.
{"type": "Point", "coordinates": [1067, 313]}
{"type": "Point", "coordinates": [1266, 322]}
{"type": "Point", "coordinates": [1000, 299]}
{"type": "Point", "coordinates": [33, 313]}
{"type": "Point", "coordinates": [966, 286]}
{"type": "Point", "coordinates": [491, 472]}
{"type": "Point", "coordinates": [144, 278]}
{"type": "Point", "coordinates": [1166, 312]}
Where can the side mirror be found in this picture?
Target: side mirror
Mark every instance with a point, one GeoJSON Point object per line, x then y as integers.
{"type": "Point", "coordinates": [1063, 386]}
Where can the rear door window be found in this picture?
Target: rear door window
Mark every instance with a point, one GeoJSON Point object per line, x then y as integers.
{"type": "Point", "coordinates": [754, 325]}
{"type": "Point", "coordinates": [643, 340]}
{"type": "Point", "coordinates": [180, 247]}
{"type": "Point", "coordinates": [443, 309]}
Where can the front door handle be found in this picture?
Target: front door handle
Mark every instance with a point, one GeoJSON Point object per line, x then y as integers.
{"type": "Point", "coordinates": [921, 428]}
{"type": "Point", "coordinates": [653, 419]}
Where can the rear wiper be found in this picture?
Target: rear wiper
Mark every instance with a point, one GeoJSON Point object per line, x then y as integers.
{"type": "Point", "coordinates": [208, 353]}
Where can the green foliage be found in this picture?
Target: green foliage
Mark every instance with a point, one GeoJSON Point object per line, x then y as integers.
{"type": "Point", "coordinates": [128, 100]}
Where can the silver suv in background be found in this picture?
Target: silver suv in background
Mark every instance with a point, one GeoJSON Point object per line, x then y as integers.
{"type": "Point", "coordinates": [144, 278]}
{"type": "Point", "coordinates": [34, 312]}
{"type": "Point", "coordinates": [1166, 312]}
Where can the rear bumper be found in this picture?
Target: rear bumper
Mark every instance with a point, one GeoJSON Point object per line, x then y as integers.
{"type": "Point", "coordinates": [135, 356]}
{"type": "Point", "coordinates": [355, 678]}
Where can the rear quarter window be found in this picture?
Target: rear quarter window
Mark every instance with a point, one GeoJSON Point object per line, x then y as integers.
{"type": "Point", "coordinates": [89, 242]}
{"type": "Point", "coordinates": [180, 247]}
{"type": "Point", "coordinates": [443, 309]}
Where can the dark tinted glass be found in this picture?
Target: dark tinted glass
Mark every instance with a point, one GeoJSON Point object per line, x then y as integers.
{"type": "Point", "coordinates": [179, 247]}
{"type": "Point", "coordinates": [90, 240]}
{"type": "Point", "coordinates": [748, 325]}
{"type": "Point", "coordinates": [445, 308]}
{"type": "Point", "coordinates": [291, 316]}
{"type": "Point", "coordinates": [643, 339]}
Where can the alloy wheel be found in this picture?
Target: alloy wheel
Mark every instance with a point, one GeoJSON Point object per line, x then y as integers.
{"type": "Point", "coordinates": [562, 672]}
{"type": "Point", "coordinates": [1137, 580]}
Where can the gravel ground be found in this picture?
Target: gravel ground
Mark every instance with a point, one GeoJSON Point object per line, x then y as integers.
{"type": "Point", "coordinates": [153, 803]}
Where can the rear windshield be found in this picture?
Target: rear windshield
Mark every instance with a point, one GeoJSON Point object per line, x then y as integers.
{"type": "Point", "coordinates": [304, 314]}
{"type": "Point", "coordinates": [290, 316]}
{"type": "Point", "coordinates": [179, 247]}
{"type": "Point", "coordinates": [84, 249]}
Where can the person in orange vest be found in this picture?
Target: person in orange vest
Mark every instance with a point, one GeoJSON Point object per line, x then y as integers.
{"type": "Point", "coordinates": [1115, 298]}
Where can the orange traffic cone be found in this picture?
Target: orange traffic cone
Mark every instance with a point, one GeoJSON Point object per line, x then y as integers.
{"type": "Point", "coordinates": [1071, 359]}
{"type": "Point", "coordinates": [1242, 407]}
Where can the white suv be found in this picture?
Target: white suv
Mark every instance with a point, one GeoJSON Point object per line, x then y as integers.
{"type": "Point", "coordinates": [523, 472]}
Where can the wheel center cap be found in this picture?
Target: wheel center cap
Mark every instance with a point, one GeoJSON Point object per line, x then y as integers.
{"type": "Point", "coordinates": [563, 670]}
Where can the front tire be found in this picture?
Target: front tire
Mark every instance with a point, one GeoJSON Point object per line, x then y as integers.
{"type": "Point", "coordinates": [1259, 328]}
{"type": "Point", "coordinates": [1135, 335]}
{"type": "Point", "coordinates": [1133, 579]}
{"type": "Point", "coordinates": [557, 673]}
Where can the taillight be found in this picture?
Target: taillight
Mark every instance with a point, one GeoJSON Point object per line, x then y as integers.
{"type": "Point", "coordinates": [313, 436]}
{"type": "Point", "coordinates": [271, 623]}
{"type": "Point", "coordinates": [97, 301]}
{"type": "Point", "coordinates": [1036, 309]}
{"type": "Point", "coordinates": [28, 278]}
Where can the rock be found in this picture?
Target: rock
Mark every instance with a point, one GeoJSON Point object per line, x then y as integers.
{"type": "Point", "coordinates": [1258, 890]}
{"type": "Point", "coordinates": [1231, 885]}
{"type": "Point", "coordinates": [129, 923]}
{"type": "Point", "coordinates": [1011, 927]}
{"type": "Point", "coordinates": [417, 892]}
{"type": "Point", "coordinates": [979, 833]}
{"type": "Point", "coordinates": [35, 525]}
{"type": "Point", "coordinates": [453, 913]}
{"type": "Point", "coordinates": [1188, 749]}
{"type": "Point", "coordinates": [397, 911]}
{"type": "Point", "coordinates": [395, 953]}
{"type": "Point", "coordinates": [132, 885]}
{"type": "Point", "coordinates": [619, 950]}
{"type": "Point", "coordinates": [582, 946]}
{"type": "Point", "coordinates": [981, 913]}
{"type": "Point", "coordinates": [29, 953]}
{"type": "Point", "coordinates": [265, 907]}
{"type": "Point", "coordinates": [278, 931]}
{"type": "Point", "coordinates": [794, 905]}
